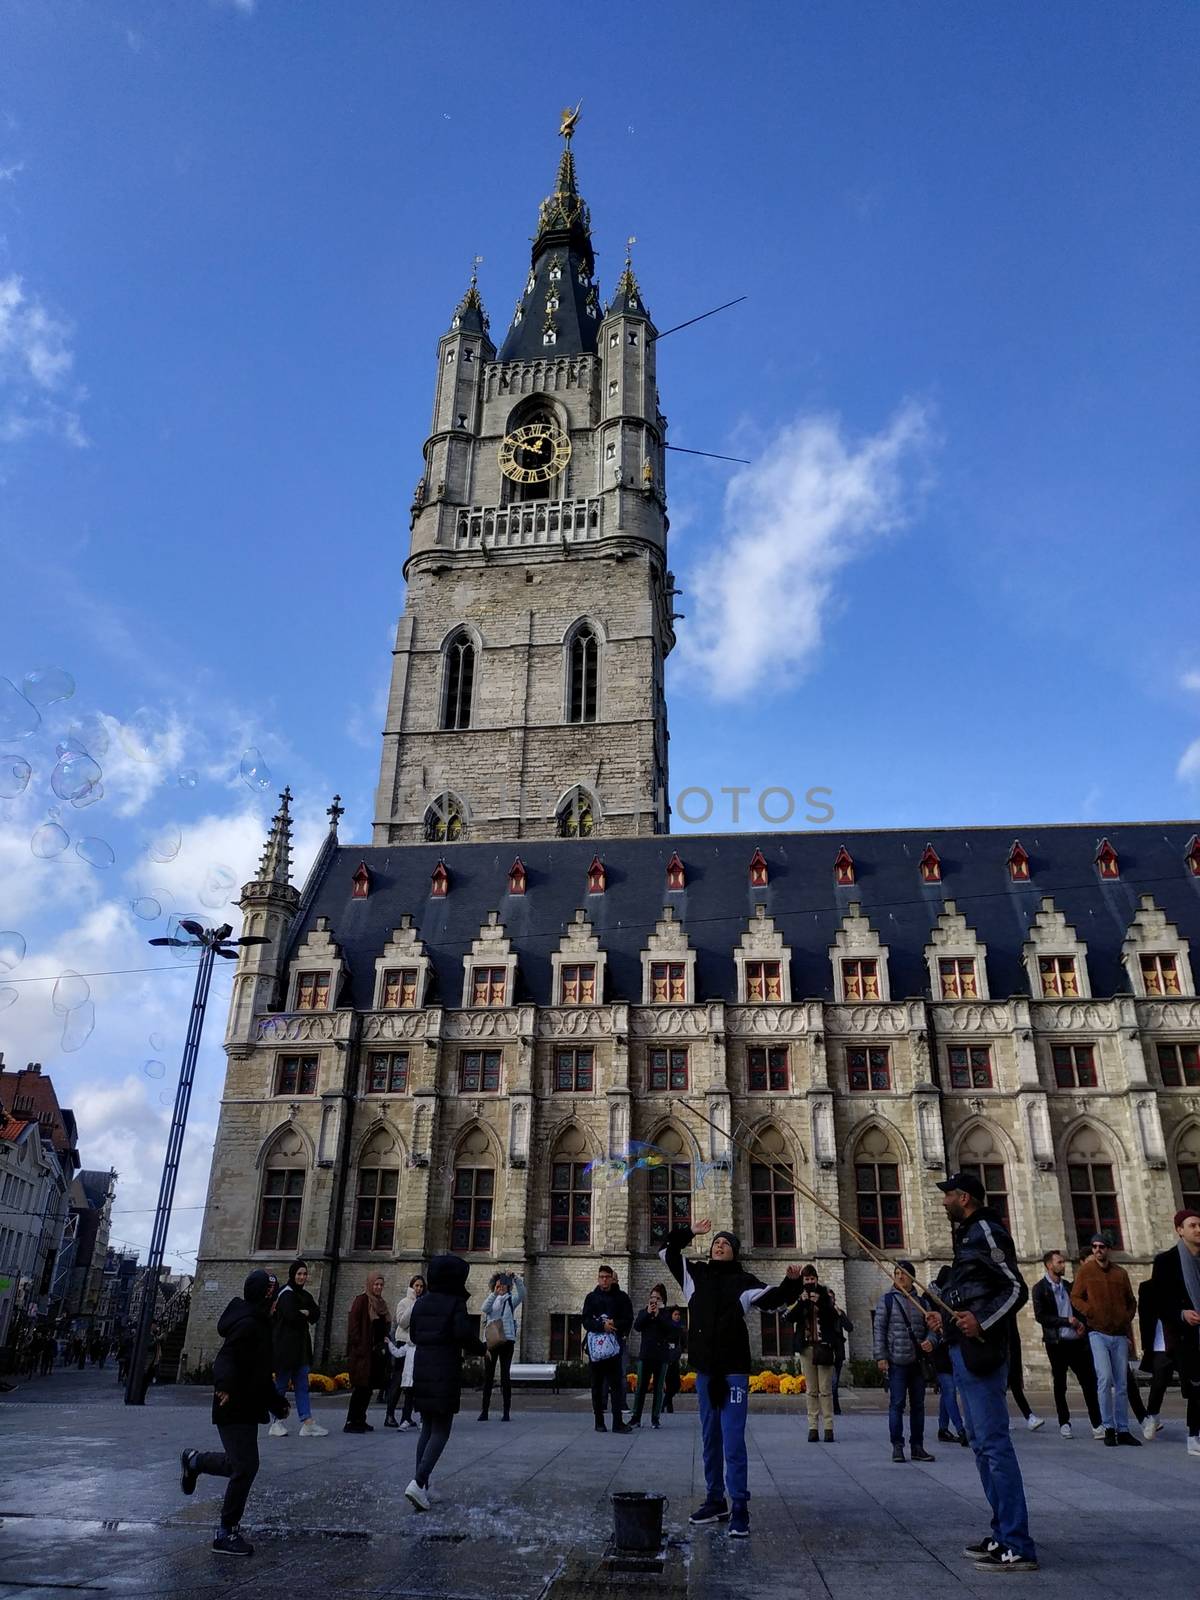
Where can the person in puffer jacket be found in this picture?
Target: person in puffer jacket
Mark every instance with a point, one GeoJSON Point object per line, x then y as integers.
{"type": "Point", "coordinates": [900, 1339]}
{"type": "Point", "coordinates": [244, 1395]}
{"type": "Point", "coordinates": [442, 1331]}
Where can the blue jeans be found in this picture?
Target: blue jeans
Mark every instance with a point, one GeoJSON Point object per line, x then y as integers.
{"type": "Point", "coordinates": [1110, 1356]}
{"type": "Point", "coordinates": [906, 1382]}
{"type": "Point", "coordinates": [723, 1437]}
{"type": "Point", "coordinates": [299, 1380]}
{"type": "Point", "coordinates": [985, 1408]}
{"type": "Point", "coordinates": [949, 1416]}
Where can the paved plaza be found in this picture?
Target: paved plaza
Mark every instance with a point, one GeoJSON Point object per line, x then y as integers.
{"type": "Point", "coordinates": [91, 1505]}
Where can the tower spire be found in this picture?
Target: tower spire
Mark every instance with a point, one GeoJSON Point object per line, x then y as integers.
{"type": "Point", "coordinates": [627, 296]}
{"type": "Point", "coordinates": [276, 864]}
{"type": "Point", "coordinates": [469, 315]}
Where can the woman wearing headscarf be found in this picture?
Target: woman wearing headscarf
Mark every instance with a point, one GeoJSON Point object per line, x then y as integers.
{"type": "Point", "coordinates": [441, 1330]}
{"type": "Point", "coordinates": [244, 1395]}
{"type": "Point", "coordinates": [719, 1294]}
{"type": "Point", "coordinates": [401, 1352]}
{"type": "Point", "coordinates": [292, 1320]}
{"type": "Point", "coordinates": [368, 1325]}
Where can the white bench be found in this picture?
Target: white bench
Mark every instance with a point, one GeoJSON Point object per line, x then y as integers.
{"type": "Point", "coordinates": [535, 1372]}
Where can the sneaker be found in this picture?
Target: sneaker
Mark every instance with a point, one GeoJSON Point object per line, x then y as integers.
{"type": "Point", "coordinates": [1097, 1433]}
{"type": "Point", "coordinates": [635, 1422]}
{"type": "Point", "coordinates": [405, 1427]}
{"type": "Point", "coordinates": [417, 1496]}
{"type": "Point", "coordinates": [187, 1471]}
{"type": "Point", "coordinates": [278, 1430]}
{"type": "Point", "coordinates": [622, 1427]}
{"type": "Point", "coordinates": [312, 1430]}
{"type": "Point", "coordinates": [710, 1511]}
{"type": "Point", "coordinates": [945, 1436]}
{"type": "Point", "coordinates": [1125, 1437]}
{"type": "Point", "coordinates": [918, 1453]}
{"type": "Point", "coordinates": [600, 1425]}
{"type": "Point", "coordinates": [985, 1547]}
{"type": "Point", "coordinates": [1150, 1427]}
{"type": "Point", "coordinates": [357, 1427]}
{"type": "Point", "coordinates": [739, 1522]}
{"type": "Point", "coordinates": [482, 1417]}
{"type": "Point", "coordinates": [231, 1544]}
{"type": "Point", "coordinates": [655, 1423]}
{"type": "Point", "coordinates": [897, 1452]}
{"type": "Point", "coordinates": [1065, 1431]}
{"type": "Point", "coordinates": [390, 1422]}
{"type": "Point", "coordinates": [1110, 1436]}
{"type": "Point", "coordinates": [964, 1441]}
{"type": "Point", "coordinates": [1002, 1560]}
{"type": "Point", "coordinates": [1033, 1422]}
{"type": "Point", "coordinates": [1194, 1444]}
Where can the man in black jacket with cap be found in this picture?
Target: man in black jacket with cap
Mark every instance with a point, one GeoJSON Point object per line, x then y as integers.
{"type": "Point", "coordinates": [244, 1395]}
{"type": "Point", "coordinates": [985, 1291]}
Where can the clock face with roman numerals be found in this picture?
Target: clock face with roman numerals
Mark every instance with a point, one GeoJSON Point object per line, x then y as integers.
{"type": "Point", "coordinates": [535, 453]}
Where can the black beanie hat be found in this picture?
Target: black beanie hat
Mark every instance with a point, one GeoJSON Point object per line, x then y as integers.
{"type": "Point", "coordinates": [734, 1242]}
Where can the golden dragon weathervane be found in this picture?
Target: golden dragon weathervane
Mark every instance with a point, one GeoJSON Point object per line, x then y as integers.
{"type": "Point", "coordinates": [566, 126]}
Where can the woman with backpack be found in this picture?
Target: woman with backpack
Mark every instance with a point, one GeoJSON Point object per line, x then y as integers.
{"type": "Point", "coordinates": [440, 1329]}
{"type": "Point", "coordinates": [292, 1320]}
{"type": "Point", "coordinates": [505, 1293]}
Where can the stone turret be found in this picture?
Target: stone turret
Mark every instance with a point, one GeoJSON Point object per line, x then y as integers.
{"type": "Point", "coordinates": [269, 903]}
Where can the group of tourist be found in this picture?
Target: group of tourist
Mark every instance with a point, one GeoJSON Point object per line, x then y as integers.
{"type": "Point", "coordinates": [962, 1332]}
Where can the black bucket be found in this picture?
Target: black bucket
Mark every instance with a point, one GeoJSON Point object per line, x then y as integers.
{"type": "Point", "coordinates": [638, 1520]}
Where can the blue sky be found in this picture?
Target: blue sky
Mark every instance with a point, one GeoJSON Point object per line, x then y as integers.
{"type": "Point", "coordinates": [955, 585]}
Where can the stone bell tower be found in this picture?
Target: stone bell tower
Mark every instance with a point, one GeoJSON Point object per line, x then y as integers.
{"type": "Point", "coordinates": [527, 682]}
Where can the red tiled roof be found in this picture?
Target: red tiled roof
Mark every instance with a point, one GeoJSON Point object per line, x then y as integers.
{"type": "Point", "coordinates": [14, 1128]}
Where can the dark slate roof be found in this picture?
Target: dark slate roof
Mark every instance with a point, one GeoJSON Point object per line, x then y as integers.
{"type": "Point", "coordinates": [627, 296]}
{"type": "Point", "coordinates": [718, 902]}
{"type": "Point", "coordinates": [564, 241]}
{"type": "Point", "coordinates": [95, 1186]}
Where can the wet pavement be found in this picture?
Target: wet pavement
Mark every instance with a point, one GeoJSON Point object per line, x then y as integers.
{"type": "Point", "coordinates": [90, 1504]}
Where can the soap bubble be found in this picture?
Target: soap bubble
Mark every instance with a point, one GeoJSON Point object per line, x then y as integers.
{"type": "Point", "coordinates": [70, 992]}
{"type": "Point", "coordinates": [188, 778]}
{"type": "Point", "coordinates": [77, 1028]}
{"type": "Point", "coordinates": [8, 997]}
{"type": "Point", "coordinates": [219, 882]}
{"type": "Point", "coordinates": [157, 1042]}
{"type": "Point", "coordinates": [44, 685]}
{"type": "Point", "coordinates": [189, 949]}
{"type": "Point", "coordinates": [165, 845]}
{"type": "Point", "coordinates": [18, 719]}
{"type": "Point", "coordinates": [12, 949]}
{"type": "Point", "coordinates": [75, 774]}
{"type": "Point", "coordinates": [166, 1098]}
{"type": "Point", "coordinates": [49, 841]}
{"type": "Point", "coordinates": [637, 1156]}
{"type": "Point", "coordinates": [89, 734]}
{"type": "Point", "coordinates": [96, 852]}
{"type": "Point", "coordinates": [14, 776]}
{"type": "Point", "coordinates": [71, 745]}
{"type": "Point", "coordinates": [154, 1069]}
{"type": "Point", "coordinates": [254, 771]}
{"type": "Point", "coordinates": [89, 797]}
{"type": "Point", "coordinates": [144, 736]}
{"type": "Point", "coordinates": [146, 907]}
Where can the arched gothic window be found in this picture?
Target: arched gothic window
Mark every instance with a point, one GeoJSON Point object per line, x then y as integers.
{"type": "Point", "coordinates": [583, 675]}
{"type": "Point", "coordinates": [670, 1188]}
{"type": "Point", "coordinates": [459, 681]}
{"type": "Point", "coordinates": [444, 820]}
{"type": "Point", "coordinates": [576, 818]}
{"type": "Point", "coordinates": [378, 1188]}
{"type": "Point", "coordinates": [978, 1154]}
{"type": "Point", "coordinates": [474, 1192]}
{"type": "Point", "coordinates": [1091, 1176]}
{"type": "Point", "coordinates": [570, 1191]}
{"type": "Point", "coordinates": [877, 1191]}
{"type": "Point", "coordinates": [1187, 1167]}
{"type": "Point", "coordinates": [282, 1198]}
{"type": "Point", "coordinates": [772, 1199]}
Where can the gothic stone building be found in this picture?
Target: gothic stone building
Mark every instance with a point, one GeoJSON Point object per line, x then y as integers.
{"type": "Point", "coordinates": [523, 973]}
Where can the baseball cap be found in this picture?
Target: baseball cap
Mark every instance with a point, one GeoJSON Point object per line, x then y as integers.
{"type": "Point", "coordinates": [965, 1181]}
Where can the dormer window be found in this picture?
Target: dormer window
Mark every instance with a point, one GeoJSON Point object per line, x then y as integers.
{"type": "Point", "coordinates": [517, 877]}
{"type": "Point", "coordinates": [579, 984]}
{"type": "Point", "coordinates": [1106, 860]}
{"type": "Point", "coordinates": [1192, 858]}
{"type": "Point", "coordinates": [1018, 863]}
{"type": "Point", "coordinates": [360, 883]}
{"type": "Point", "coordinates": [552, 303]}
{"type": "Point", "coordinates": [860, 979]}
{"type": "Point", "coordinates": [758, 870]}
{"type": "Point", "coordinates": [555, 272]}
{"type": "Point", "coordinates": [764, 982]}
{"type": "Point", "coordinates": [676, 878]}
{"type": "Point", "coordinates": [312, 991]}
{"type": "Point", "coordinates": [1160, 974]}
{"type": "Point", "coordinates": [439, 884]}
{"type": "Point", "coordinates": [931, 866]}
{"type": "Point", "coordinates": [488, 986]}
{"type": "Point", "coordinates": [597, 878]}
{"type": "Point", "coordinates": [843, 867]}
{"type": "Point", "coordinates": [550, 336]}
{"type": "Point", "coordinates": [1059, 978]}
{"type": "Point", "coordinates": [400, 989]}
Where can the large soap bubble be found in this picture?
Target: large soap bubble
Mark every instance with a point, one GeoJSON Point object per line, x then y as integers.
{"type": "Point", "coordinates": [8, 996]}
{"type": "Point", "coordinates": [18, 718]}
{"type": "Point", "coordinates": [49, 841]}
{"type": "Point", "coordinates": [75, 774]}
{"type": "Point", "coordinates": [165, 845]}
{"type": "Point", "coordinates": [255, 773]}
{"type": "Point", "coordinates": [188, 778]}
{"type": "Point", "coordinates": [44, 685]}
{"type": "Point", "coordinates": [78, 1025]}
{"type": "Point", "coordinates": [157, 1042]}
{"type": "Point", "coordinates": [90, 734]}
{"type": "Point", "coordinates": [70, 992]}
{"type": "Point", "coordinates": [146, 907]}
{"type": "Point", "coordinates": [96, 852]}
{"type": "Point", "coordinates": [12, 949]}
{"type": "Point", "coordinates": [154, 1069]}
{"type": "Point", "coordinates": [15, 773]}
{"type": "Point", "coordinates": [144, 736]}
{"type": "Point", "coordinates": [89, 797]}
{"type": "Point", "coordinates": [219, 884]}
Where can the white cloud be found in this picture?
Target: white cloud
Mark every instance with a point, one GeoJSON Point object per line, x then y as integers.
{"type": "Point", "coordinates": [1190, 680]}
{"type": "Point", "coordinates": [9, 172]}
{"type": "Point", "coordinates": [36, 361]}
{"type": "Point", "coordinates": [813, 501]}
{"type": "Point", "coordinates": [1188, 770]}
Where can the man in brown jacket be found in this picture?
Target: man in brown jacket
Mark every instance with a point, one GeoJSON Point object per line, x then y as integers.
{"type": "Point", "coordinates": [1104, 1298]}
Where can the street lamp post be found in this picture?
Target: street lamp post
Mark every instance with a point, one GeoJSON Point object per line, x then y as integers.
{"type": "Point", "coordinates": [210, 942]}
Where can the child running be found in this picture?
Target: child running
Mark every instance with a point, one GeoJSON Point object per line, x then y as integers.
{"type": "Point", "coordinates": [719, 1292]}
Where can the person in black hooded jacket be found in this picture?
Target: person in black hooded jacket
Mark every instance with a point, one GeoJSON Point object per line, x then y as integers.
{"type": "Point", "coordinates": [244, 1394]}
{"type": "Point", "coordinates": [440, 1330]}
{"type": "Point", "coordinates": [292, 1322]}
{"type": "Point", "coordinates": [719, 1294]}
